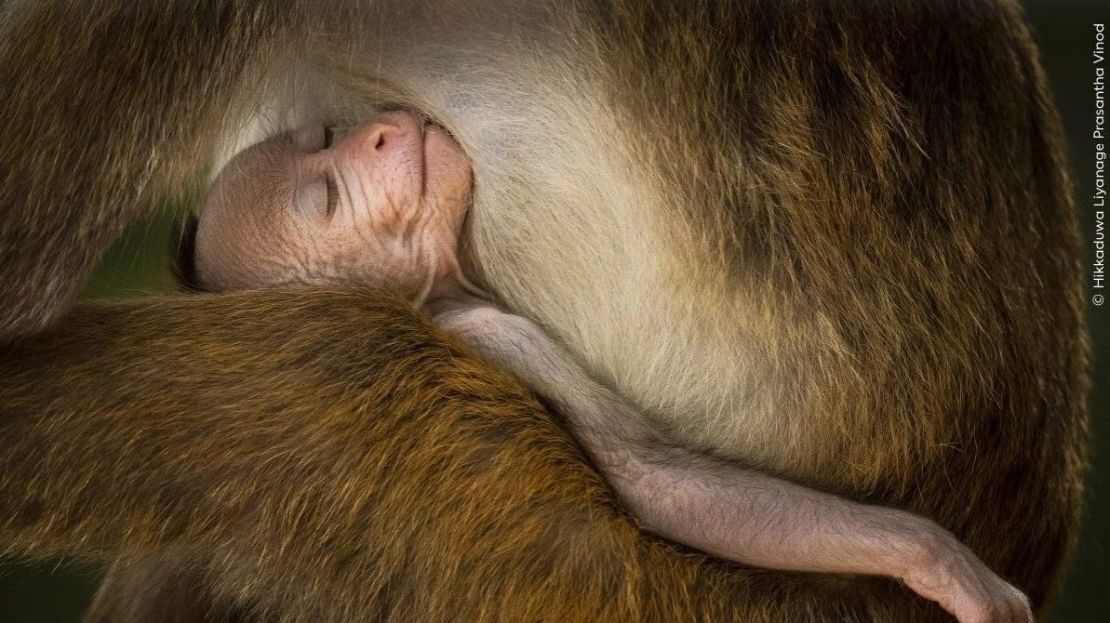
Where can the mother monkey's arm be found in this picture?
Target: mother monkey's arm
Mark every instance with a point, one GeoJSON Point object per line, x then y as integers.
{"type": "Point", "coordinates": [332, 456]}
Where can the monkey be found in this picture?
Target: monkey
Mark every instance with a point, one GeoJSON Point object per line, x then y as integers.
{"type": "Point", "coordinates": [832, 241]}
{"type": "Point", "coordinates": [384, 203]}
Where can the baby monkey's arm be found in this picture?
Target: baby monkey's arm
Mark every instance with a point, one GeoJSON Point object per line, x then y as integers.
{"type": "Point", "coordinates": [722, 508]}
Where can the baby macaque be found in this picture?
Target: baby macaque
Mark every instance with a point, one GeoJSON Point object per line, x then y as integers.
{"type": "Point", "coordinates": [384, 204]}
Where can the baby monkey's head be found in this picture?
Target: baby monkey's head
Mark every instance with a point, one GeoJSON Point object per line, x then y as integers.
{"type": "Point", "coordinates": [378, 204]}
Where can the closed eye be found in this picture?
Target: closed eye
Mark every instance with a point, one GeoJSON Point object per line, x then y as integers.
{"type": "Point", "coordinates": [318, 197]}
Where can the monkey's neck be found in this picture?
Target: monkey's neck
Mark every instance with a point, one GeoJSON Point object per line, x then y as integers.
{"type": "Point", "coordinates": [448, 281]}
{"type": "Point", "coordinates": [448, 294]}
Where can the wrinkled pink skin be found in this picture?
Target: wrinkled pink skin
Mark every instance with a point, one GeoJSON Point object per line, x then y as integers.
{"type": "Point", "coordinates": [398, 196]}
{"type": "Point", "coordinates": [382, 204]}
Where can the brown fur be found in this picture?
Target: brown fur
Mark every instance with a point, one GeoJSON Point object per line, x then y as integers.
{"type": "Point", "coordinates": [886, 190]}
{"type": "Point", "coordinates": [401, 480]}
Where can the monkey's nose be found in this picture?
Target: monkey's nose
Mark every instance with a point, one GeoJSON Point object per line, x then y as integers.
{"type": "Point", "coordinates": [387, 132]}
{"type": "Point", "coordinates": [376, 138]}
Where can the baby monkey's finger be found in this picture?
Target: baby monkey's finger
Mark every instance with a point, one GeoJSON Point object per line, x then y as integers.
{"type": "Point", "coordinates": [993, 602]}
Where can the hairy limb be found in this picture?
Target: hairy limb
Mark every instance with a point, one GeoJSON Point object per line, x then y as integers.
{"type": "Point", "coordinates": [397, 477]}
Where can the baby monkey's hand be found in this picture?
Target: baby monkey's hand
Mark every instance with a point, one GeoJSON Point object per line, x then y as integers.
{"type": "Point", "coordinates": [939, 567]}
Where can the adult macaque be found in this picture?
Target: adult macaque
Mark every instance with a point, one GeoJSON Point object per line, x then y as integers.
{"type": "Point", "coordinates": [831, 241]}
{"type": "Point", "coordinates": [383, 204]}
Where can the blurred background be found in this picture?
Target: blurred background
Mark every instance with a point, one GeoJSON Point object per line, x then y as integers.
{"type": "Point", "coordinates": [58, 591]}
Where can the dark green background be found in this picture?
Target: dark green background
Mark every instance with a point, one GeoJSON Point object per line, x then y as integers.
{"type": "Point", "coordinates": [58, 591]}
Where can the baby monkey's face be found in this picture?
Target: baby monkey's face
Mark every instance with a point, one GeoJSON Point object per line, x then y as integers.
{"type": "Point", "coordinates": [377, 204]}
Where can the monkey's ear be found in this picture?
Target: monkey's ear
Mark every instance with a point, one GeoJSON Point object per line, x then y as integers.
{"type": "Point", "coordinates": [183, 245]}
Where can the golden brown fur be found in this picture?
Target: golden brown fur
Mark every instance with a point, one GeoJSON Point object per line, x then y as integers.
{"type": "Point", "coordinates": [861, 273]}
